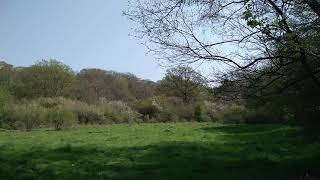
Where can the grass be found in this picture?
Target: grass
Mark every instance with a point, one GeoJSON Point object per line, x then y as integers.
{"type": "Point", "coordinates": [160, 151]}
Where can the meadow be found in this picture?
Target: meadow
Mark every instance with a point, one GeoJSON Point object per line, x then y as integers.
{"type": "Point", "coordinates": [160, 151]}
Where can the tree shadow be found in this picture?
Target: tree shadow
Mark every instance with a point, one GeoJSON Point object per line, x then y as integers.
{"type": "Point", "coordinates": [167, 160]}
{"type": "Point", "coordinates": [243, 129]}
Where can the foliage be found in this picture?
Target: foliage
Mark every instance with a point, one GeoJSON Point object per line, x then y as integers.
{"type": "Point", "coordinates": [85, 113]}
{"type": "Point", "coordinates": [96, 83]}
{"type": "Point", "coordinates": [44, 79]}
{"type": "Point", "coordinates": [60, 117]}
{"type": "Point", "coordinates": [5, 98]}
{"type": "Point", "coordinates": [23, 116]}
{"type": "Point", "coordinates": [118, 112]}
{"type": "Point", "coordinates": [150, 109]}
{"type": "Point", "coordinates": [200, 114]}
{"type": "Point", "coordinates": [182, 82]}
{"type": "Point", "coordinates": [271, 49]}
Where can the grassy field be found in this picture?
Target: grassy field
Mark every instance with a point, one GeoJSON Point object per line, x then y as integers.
{"type": "Point", "coordinates": [160, 151]}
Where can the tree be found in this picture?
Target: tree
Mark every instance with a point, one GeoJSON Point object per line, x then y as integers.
{"type": "Point", "coordinates": [6, 74]}
{"type": "Point", "coordinates": [271, 46]}
{"type": "Point", "coordinates": [47, 78]}
{"type": "Point", "coordinates": [182, 82]}
{"type": "Point", "coordinates": [97, 83]}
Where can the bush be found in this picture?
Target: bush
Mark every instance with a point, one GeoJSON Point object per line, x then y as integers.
{"type": "Point", "coordinates": [61, 117]}
{"type": "Point", "coordinates": [5, 98]}
{"type": "Point", "coordinates": [23, 116]}
{"type": "Point", "coordinates": [200, 114]}
{"type": "Point", "coordinates": [165, 109]}
{"type": "Point", "coordinates": [225, 113]}
{"type": "Point", "coordinates": [234, 114]}
{"type": "Point", "coordinates": [85, 113]}
{"type": "Point", "coordinates": [262, 116]}
{"type": "Point", "coordinates": [150, 109]}
{"type": "Point", "coordinates": [119, 112]}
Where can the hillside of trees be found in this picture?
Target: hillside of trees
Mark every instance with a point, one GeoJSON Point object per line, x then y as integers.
{"type": "Point", "coordinates": [50, 94]}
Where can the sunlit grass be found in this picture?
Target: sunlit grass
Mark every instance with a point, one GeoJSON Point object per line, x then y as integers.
{"type": "Point", "coordinates": [159, 151]}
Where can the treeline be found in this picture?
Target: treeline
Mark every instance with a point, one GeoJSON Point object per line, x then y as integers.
{"type": "Point", "coordinates": [50, 94]}
{"type": "Point", "coordinates": [55, 79]}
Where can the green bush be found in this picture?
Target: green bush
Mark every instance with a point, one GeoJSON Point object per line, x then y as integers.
{"type": "Point", "coordinates": [235, 114]}
{"type": "Point", "coordinates": [119, 112]}
{"type": "Point", "coordinates": [60, 117]}
{"type": "Point", "coordinates": [149, 109]}
{"type": "Point", "coordinates": [200, 114]}
{"type": "Point", "coordinates": [226, 113]}
{"type": "Point", "coordinates": [23, 116]}
{"type": "Point", "coordinates": [5, 97]}
{"type": "Point", "coordinates": [85, 113]}
{"type": "Point", "coordinates": [262, 116]}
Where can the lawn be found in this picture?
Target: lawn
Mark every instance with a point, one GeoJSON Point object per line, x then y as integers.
{"type": "Point", "coordinates": [160, 151]}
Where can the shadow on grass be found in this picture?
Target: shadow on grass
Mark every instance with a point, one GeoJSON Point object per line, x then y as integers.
{"type": "Point", "coordinates": [179, 160]}
{"type": "Point", "coordinates": [243, 129]}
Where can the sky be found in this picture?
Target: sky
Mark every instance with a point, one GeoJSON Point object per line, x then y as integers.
{"type": "Point", "coordinates": [79, 33]}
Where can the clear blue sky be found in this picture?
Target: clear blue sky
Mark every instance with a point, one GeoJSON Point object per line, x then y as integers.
{"type": "Point", "coordinates": [79, 33]}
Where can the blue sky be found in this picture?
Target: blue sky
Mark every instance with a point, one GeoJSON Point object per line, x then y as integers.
{"type": "Point", "coordinates": [79, 33]}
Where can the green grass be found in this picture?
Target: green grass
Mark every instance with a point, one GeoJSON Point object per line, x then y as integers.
{"type": "Point", "coordinates": [160, 151]}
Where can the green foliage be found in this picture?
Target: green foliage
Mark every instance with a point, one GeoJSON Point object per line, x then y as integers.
{"type": "Point", "coordinates": [60, 117]}
{"type": "Point", "coordinates": [149, 109]}
{"type": "Point", "coordinates": [44, 79]}
{"type": "Point", "coordinates": [23, 116]}
{"type": "Point", "coordinates": [160, 151]}
{"type": "Point", "coordinates": [182, 82]}
{"type": "Point", "coordinates": [85, 113]}
{"type": "Point", "coordinates": [165, 109]}
{"type": "Point", "coordinates": [5, 98]}
{"type": "Point", "coordinates": [119, 112]}
{"type": "Point", "coordinates": [200, 114]}
{"type": "Point", "coordinates": [233, 114]}
{"type": "Point", "coordinates": [6, 75]}
{"type": "Point", "coordinates": [94, 84]}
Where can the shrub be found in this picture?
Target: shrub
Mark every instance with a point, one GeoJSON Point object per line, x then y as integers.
{"type": "Point", "coordinates": [5, 98]}
{"type": "Point", "coordinates": [118, 111]}
{"type": "Point", "coordinates": [60, 117]}
{"type": "Point", "coordinates": [262, 116]}
{"type": "Point", "coordinates": [149, 109]}
{"type": "Point", "coordinates": [225, 113]}
{"type": "Point", "coordinates": [234, 114]}
{"type": "Point", "coordinates": [89, 114]}
{"type": "Point", "coordinates": [23, 116]}
{"type": "Point", "coordinates": [173, 109]}
{"type": "Point", "coordinates": [200, 114]}
{"type": "Point", "coordinates": [85, 113]}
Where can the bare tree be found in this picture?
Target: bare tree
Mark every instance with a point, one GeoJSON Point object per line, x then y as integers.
{"type": "Point", "coordinates": [244, 34]}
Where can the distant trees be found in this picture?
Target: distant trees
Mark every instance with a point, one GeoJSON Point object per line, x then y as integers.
{"type": "Point", "coordinates": [6, 74]}
{"type": "Point", "coordinates": [97, 83]}
{"type": "Point", "coordinates": [51, 78]}
{"type": "Point", "coordinates": [47, 78]}
{"type": "Point", "coordinates": [182, 82]}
